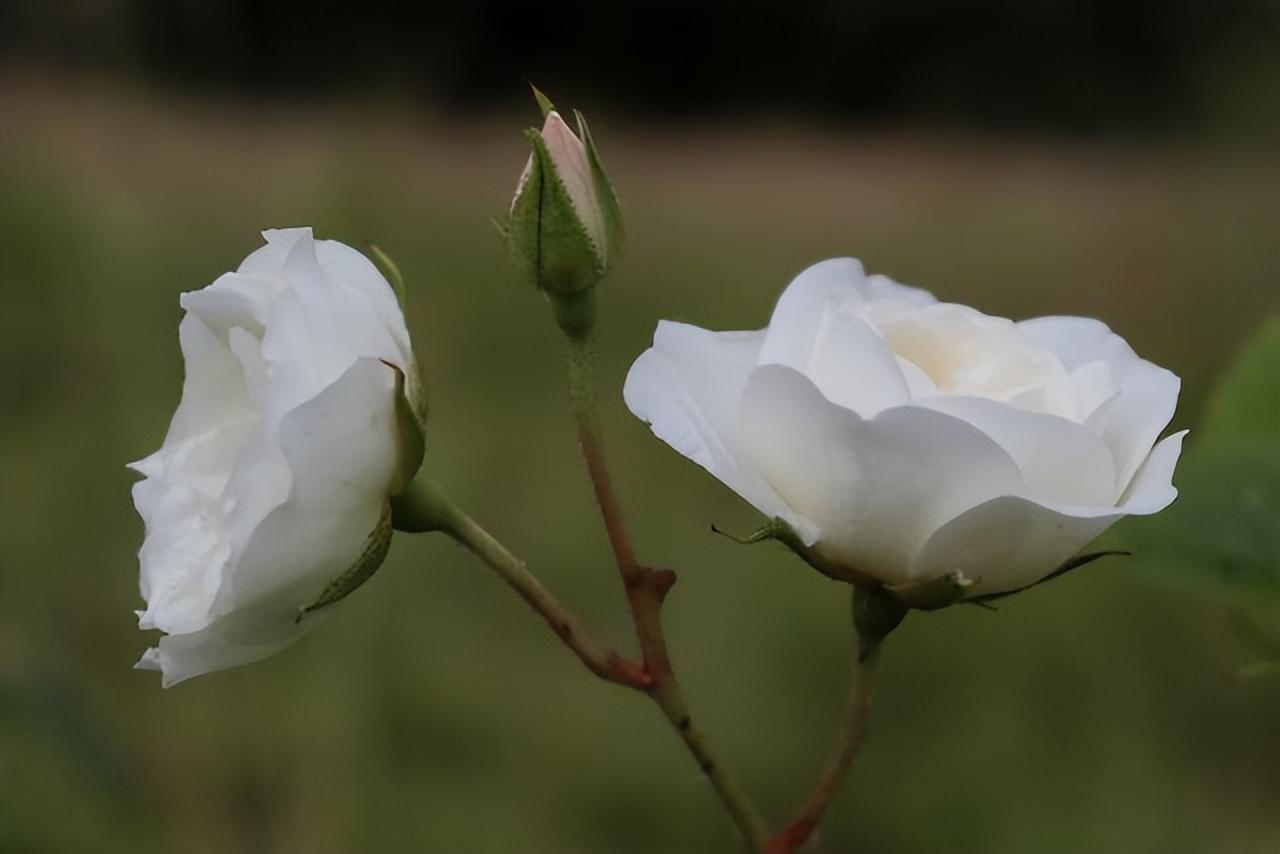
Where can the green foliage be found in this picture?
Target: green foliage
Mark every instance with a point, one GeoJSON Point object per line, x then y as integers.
{"type": "Point", "coordinates": [1246, 404]}
{"type": "Point", "coordinates": [1222, 535]}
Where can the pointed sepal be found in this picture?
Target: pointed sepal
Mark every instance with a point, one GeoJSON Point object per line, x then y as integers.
{"type": "Point", "coordinates": [411, 423]}
{"type": "Point", "coordinates": [606, 198]}
{"type": "Point", "coordinates": [934, 593]}
{"type": "Point", "coordinates": [544, 103]}
{"type": "Point", "coordinates": [390, 271]}
{"type": "Point", "coordinates": [376, 546]}
{"type": "Point", "coordinates": [1067, 566]}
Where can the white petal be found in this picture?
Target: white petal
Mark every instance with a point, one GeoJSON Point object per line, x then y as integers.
{"type": "Point", "coordinates": [1009, 542]}
{"type": "Point", "coordinates": [818, 329]}
{"type": "Point", "coordinates": [235, 300]}
{"type": "Point", "coordinates": [687, 387]}
{"type": "Point", "coordinates": [353, 269]}
{"type": "Point", "coordinates": [341, 450]}
{"type": "Point", "coordinates": [214, 393]}
{"type": "Point", "coordinates": [1077, 341]}
{"type": "Point", "coordinates": [1145, 394]}
{"type": "Point", "coordinates": [182, 558]}
{"type": "Point", "coordinates": [1143, 405]}
{"type": "Point", "coordinates": [875, 488]}
{"type": "Point", "coordinates": [1152, 487]}
{"type": "Point", "coordinates": [238, 639]}
{"type": "Point", "coordinates": [318, 327]}
{"type": "Point", "coordinates": [1059, 459]}
{"type": "Point", "coordinates": [270, 259]}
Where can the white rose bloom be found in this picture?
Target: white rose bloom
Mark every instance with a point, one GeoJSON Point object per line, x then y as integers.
{"type": "Point", "coordinates": [906, 438]}
{"type": "Point", "coordinates": [275, 473]}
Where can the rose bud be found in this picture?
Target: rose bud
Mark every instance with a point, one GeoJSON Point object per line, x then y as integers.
{"type": "Point", "coordinates": [915, 445]}
{"type": "Point", "coordinates": [564, 230]}
{"type": "Point", "coordinates": [301, 415]}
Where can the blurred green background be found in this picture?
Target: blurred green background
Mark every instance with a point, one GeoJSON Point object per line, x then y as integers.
{"type": "Point", "coordinates": [433, 712]}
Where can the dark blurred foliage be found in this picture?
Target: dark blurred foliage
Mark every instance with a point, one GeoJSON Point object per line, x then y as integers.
{"type": "Point", "coordinates": [1038, 65]}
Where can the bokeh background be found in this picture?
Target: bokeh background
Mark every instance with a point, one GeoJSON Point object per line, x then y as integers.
{"type": "Point", "coordinates": [1118, 160]}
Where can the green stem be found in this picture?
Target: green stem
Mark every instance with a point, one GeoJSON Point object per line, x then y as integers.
{"type": "Point", "coordinates": [853, 731]}
{"type": "Point", "coordinates": [425, 507]}
{"type": "Point", "coordinates": [646, 589]}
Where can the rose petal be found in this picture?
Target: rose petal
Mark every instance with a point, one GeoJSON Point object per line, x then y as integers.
{"type": "Point", "coordinates": [353, 269]}
{"type": "Point", "coordinates": [318, 327]}
{"type": "Point", "coordinates": [341, 453]}
{"type": "Point", "coordinates": [817, 329]}
{"type": "Point", "coordinates": [1011, 542]}
{"type": "Point", "coordinates": [1059, 459]}
{"type": "Point", "coordinates": [1152, 489]}
{"type": "Point", "coordinates": [341, 449]}
{"type": "Point", "coordinates": [687, 388]}
{"type": "Point", "coordinates": [1145, 397]}
{"type": "Point", "coordinates": [1008, 542]}
{"type": "Point", "coordinates": [876, 489]}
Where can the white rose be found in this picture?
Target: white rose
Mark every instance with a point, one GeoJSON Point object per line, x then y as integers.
{"type": "Point", "coordinates": [905, 438]}
{"type": "Point", "coordinates": [274, 478]}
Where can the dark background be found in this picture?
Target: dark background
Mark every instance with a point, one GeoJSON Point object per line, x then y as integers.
{"type": "Point", "coordinates": [1079, 66]}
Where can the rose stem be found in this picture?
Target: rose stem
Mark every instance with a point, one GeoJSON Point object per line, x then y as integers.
{"type": "Point", "coordinates": [600, 660]}
{"type": "Point", "coordinates": [853, 730]}
{"type": "Point", "coordinates": [645, 589]}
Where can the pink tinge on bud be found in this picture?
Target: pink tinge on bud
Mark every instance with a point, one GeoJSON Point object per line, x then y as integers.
{"type": "Point", "coordinates": [569, 157]}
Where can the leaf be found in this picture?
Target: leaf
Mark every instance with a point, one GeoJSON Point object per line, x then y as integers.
{"type": "Point", "coordinates": [1222, 535]}
{"type": "Point", "coordinates": [1246, 403]}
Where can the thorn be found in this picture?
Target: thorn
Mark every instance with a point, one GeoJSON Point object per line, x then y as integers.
{"type": "Point", "coordinates": [661, 581]}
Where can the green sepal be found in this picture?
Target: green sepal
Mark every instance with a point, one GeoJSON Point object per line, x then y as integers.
{"type": "Point", "coordinates": [1067, 566]}
{"type": "Point", "coordinates": [423, 506]}
{"type": "Point", "coordinates": [544, 103]}
{"type": "Point", "coordinates": [390, 271]}
{"type": "Point", "coordinates": [376, 546]}
{"type": "Point", "coordinates": [521, 231]}
{"type": "Point", "coordinates": [781, 531]}
{"type": "Point", "coordinates": [606, 198]}
{"type": "Point", "coordinates": [411, 424]}
{"type": "Point", "coordinates": [876, 612]}
{"type": "Point", "coordinates": [934, 593]}
{"type": "Point", "coordinates": [547, 239]}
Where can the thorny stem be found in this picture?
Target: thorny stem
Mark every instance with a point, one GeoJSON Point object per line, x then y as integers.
{"type": "Point", "coordinates": [853, 730]}
{"type": "Point", "coordinates": [645, 589]}
{"type": "Point", "coordinates": [600, 660]}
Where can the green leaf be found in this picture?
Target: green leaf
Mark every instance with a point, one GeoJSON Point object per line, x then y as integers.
{"type": "Point", "coordinates": [1246, 403]}
{"type": "Point", "coordinates": [1222, 535]}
